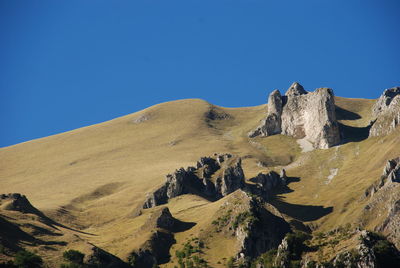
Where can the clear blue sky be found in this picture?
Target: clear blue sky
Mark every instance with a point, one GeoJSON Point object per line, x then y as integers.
{"type": "Point", "coordinates": [68, 64]}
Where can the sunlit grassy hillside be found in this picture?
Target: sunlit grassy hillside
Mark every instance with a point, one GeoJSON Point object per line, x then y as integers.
{"type": "Point", "coordinates": [94, 178]}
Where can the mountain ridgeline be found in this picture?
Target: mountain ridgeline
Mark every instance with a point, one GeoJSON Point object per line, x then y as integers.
{"type": "Point", "coordinates": [307, 180]}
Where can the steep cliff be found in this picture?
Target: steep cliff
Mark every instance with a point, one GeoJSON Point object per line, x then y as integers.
{"type": "Point", "coordinates": [302, 114]}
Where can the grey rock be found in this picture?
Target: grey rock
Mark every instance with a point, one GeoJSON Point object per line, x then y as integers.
{"type": "Point", "coordinates": [197, 180]}
{"type": "Point", "coordinates": [367, 256]}
{"type": "Point", "coordinates": [231, 179]}
{"type": "Point", "coordinates": [267, 183]}
{"type": "Point", "coordinates": [386, 113]}
{"type": "Point", "coordinates": [282, 258]}
{"type": "Point", "coordinates": [385, 100]}
{"type": "Point", "coordinates": [295, 90]}
{"type": "Point", "coordinates": [302, 114]}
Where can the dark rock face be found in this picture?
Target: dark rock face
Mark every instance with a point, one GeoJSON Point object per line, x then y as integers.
{"type": "Point", "coordinates": [154, 251]}
{"type": "Point", "coordinates": [16, 202]}
{"type": "Point", "coordinates": [302, 114]}
{"type": "Point", "coordinates": [386, 112]}
{"type": "Point", "coordinates": [267, 183]}
{"type": "Point", "coordinates": [101, 258]}
{"type": "Point", "coordinates": [263, 233]}
{"type": "Point", "coordinates": [198, 180]}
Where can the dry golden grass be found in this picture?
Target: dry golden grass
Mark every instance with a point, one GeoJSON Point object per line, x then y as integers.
{"type": "Point", "coordinates": [100, 174]}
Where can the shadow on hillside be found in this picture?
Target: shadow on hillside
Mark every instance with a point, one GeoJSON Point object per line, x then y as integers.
{"type": "Point", "coordinates": [52, 223]}
{"type": "Point", "coordinates": [342, 114]}
{"type": "Point", "coordinates": [300, 212]}
{"type": "Point", "coordinates": [181, 226]}
{"type": "Point", "coordinates": [286, 189]}
{"type": "Point", "coordinates": [353, 134]}
{"type": "Point", "coordinates": [13, 236]}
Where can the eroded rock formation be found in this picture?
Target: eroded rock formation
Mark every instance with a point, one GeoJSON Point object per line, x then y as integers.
{"type": "Point", "coordinates": [201, 180]}
{"type": "Point", "coordinates": [302, 114]}
{"type": "Point", "coordinates": [267, 183]}
{"type": "Point", "coordinates": [155, 249]}
{"type": "Point", "coordinates": [386, 112]}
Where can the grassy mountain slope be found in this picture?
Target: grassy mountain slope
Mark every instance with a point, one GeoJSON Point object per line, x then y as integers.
{"type": "Point", "coordinates": [94, 178]}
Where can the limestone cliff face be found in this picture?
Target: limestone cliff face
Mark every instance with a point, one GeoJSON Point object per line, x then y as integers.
{"type": "Point", "coordinates": [302, 114]}
{"type": "Point", "coordinates": [201, 180]}
{"type": "Point", "coordinates": [386, 112]}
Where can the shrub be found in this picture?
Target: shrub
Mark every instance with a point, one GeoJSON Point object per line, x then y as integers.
{"type": "Point", "coordinates": [267, 259]}
{"type": "Point", "coordinates": [296, 244]}
{"type": "Point", "coordinates": [26, 259]}
{"type": "Point", "coordinates": [230, 262]}
{"type": "Point", "coordinates": [73, 256]}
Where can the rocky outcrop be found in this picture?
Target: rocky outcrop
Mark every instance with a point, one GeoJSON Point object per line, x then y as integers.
{"type": "Point", "coordinates": [255, 228]}
{"type": "Point", "coordinates": [282, 258]}
{"type": "Point", "coordinates": [385, 100]}
{"type": "Point", "coordinates": [102, 258]}
{"type": "Point", "coordinates": [201, 180]}
{"type": "Point", "coordinates": [267, 183]}
{"type": "Point", "coordinates": [162, 226]}
{"type": "Point", "coordinates": [361, 248]}
{"type": "Point", "coordinates": [386, 112]}
{"type": "Point", "coordinates": [16, 202]}
{"type": "Point", "coordinates": [383, 198]}
{"type": "Point", "coordinates": [390, 225]}
{"type": "Point", "coordinates": [390, 175]}
{"type": "Point", "coordinates": [154, 251]}
{"type": "Point", "coordinates": [302, 114]}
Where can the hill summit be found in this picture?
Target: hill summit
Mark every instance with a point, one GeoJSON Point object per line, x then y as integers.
{"type": "Point", "coordinates": [307, 180]}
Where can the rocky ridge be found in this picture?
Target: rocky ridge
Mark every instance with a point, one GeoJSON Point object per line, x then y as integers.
{"type": "Point", "coordinates": [302, 114]}
{"type": "Point", "coordinates": [383, 198]}
{"type": "Point", "coordinates": [364, 249]}
{"type": "Point", "coordinates": [255, 228]}
{"type": "Point", "coordinates": [213, 178]}
{"type": "Point", "coordinates": [197, 180]}
{"type": "Point", "coordinates": [155, 250]}
{"type": "Point", "coordinates": [386, 112]}
{"type": "Point", "coordinates": [22, 224]}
